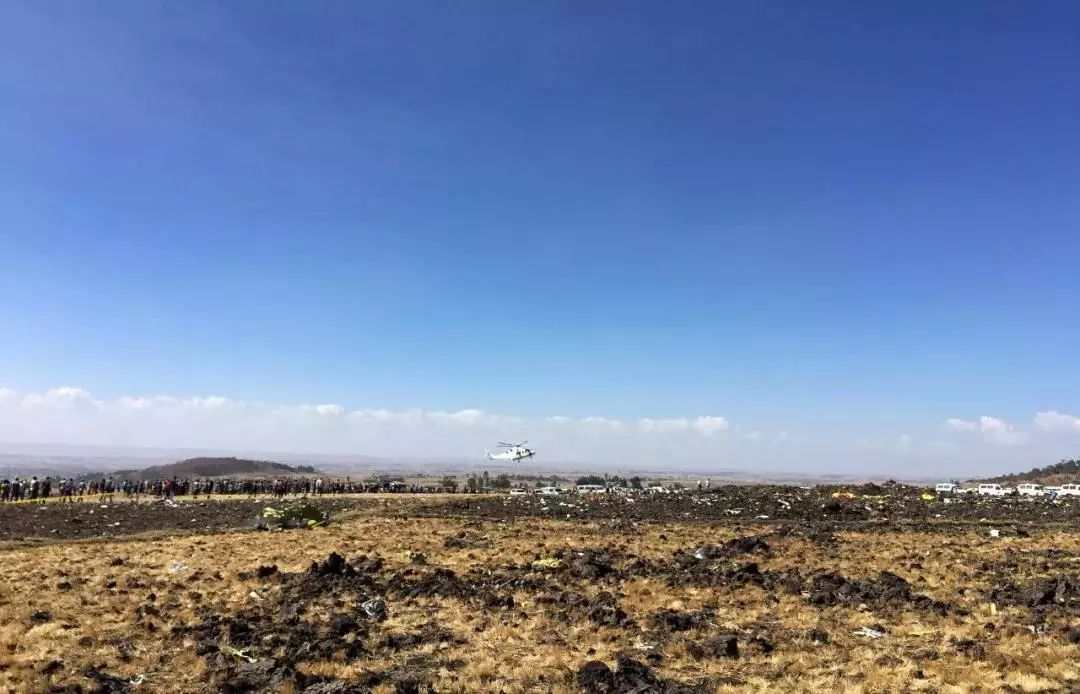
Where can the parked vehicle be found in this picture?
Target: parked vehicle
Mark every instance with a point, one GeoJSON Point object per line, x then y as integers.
{"type": "Point", "coordinates": [1029, 489]}
{"type": "Point", "coordinates": [518, 492]}
{"type": "Point", "coordinates": [966, 490]}
{"type": "Point", "coordinates": [1069, 490]}
{"type": "Point", "coordinates": [549, 491]}
{"type": "Point", "coordinates": [945, 488]}
{"type": "Point", "coordinates": [590, 488]}
{"type": "Point", "coordinates": [994, 490]}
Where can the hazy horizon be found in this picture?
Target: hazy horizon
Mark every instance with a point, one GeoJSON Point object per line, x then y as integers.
{"type": "Point", "coordinates": [71, 417]}
{"type": "Point", "coordinates": [69, 458]}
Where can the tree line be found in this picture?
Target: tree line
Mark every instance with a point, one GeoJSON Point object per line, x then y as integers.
{"type": "Point", "coordinates": [1065, 467]}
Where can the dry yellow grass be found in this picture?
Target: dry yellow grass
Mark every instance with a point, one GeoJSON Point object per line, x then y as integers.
{"type": "Point", "coordinates": [95, 618]}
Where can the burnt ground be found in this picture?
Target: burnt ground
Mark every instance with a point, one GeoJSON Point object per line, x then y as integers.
{"type": "Point", "coordinates": [383, 603]}
{"type": "Point", "coordinates": [868, 504]}
{"type": "Point", "coordinates": [67, 521]}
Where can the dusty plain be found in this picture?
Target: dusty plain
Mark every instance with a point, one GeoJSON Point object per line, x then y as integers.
{"type": "Point", "coordinates": [883, 592]}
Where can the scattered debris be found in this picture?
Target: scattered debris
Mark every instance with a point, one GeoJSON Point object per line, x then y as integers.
{"type": "Point", "coordinates": [107, 684]}
{"type": "Point", "coordinates": [237, 653]}
{"type": "Point", "coordinates": [297, 514]}
{"type": "Point", "coordinates": [374, 608]}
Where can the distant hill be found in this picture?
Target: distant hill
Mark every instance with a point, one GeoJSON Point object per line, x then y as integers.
{"type": "Point", "coordinates": [215, 467]}
{"type": "Point", "coordinates": [1058, 473]}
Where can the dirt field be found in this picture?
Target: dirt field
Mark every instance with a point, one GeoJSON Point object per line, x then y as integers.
{"type": "Point", "coordinates": [400, 595]}
{"type": "Point", "coordinates": [30, 521]}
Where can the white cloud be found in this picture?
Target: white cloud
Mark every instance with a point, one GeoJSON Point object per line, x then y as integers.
{"type": "Point", "coordinates": [67, 392]}
{"type": "Point", "coordinates": [1000, 432]}
{"type": "Point", "coordinates": [1057, 421]}
{"type": "Point", "coordinates": [992, 430]}
{"type": "Point", "coordinates": [604, 422]}
{"type": "Point", "coordinates": [72, 415]}
{"type": "Point", "coordinates": [705, 425]}
{"type": "Point", "coordinates": [663, 426]}
{"type": "Point", "coordinates": [214, 402]}
{"type": "Point", "coordinates": [711, 425]}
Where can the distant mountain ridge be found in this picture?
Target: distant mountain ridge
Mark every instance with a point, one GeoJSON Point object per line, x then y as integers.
{"type": "Point", "coordinates": [214, 467]}
{"type": "Point", "coordinates": [1058, 473]}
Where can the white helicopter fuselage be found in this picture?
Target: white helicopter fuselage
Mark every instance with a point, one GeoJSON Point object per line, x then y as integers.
{"type": "Point", "coordinates": [512, 454]}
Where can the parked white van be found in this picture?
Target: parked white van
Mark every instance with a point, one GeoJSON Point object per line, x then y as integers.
{"type": "Point", "coordinates": [1069, 490]}
{"type": "Point", "coordinates": [993, 490]}
{"type": "Point", "coordinates": [945, 488]}
{"type": "Point", "coordinates": [549, 491]}
{"type": "Point", "coordinates": [590, 488]}
{"type": "Point", "coordinates": [1029, 489]}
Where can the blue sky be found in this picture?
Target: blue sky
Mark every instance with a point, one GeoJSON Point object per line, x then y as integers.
{"type": "Point", "coordinates": [846, 221]}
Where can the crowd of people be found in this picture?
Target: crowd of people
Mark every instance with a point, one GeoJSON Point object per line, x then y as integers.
{"type": "Point", "coordinates": [32, 488]}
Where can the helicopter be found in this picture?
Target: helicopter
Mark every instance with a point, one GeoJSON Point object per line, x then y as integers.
{"type": "Point", "coordinates": [514, 452]}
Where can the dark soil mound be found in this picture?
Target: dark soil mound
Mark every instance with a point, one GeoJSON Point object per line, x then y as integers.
{"type": "Point", "coordinates": [887, 590]}
{"type": "Point", "coordinates": [630, 677]}
{"type": "Point", "coordinates": [1057, 592]}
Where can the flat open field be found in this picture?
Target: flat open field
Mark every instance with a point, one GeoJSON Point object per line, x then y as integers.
{"type": "Point", "coordinates": [430, 594]}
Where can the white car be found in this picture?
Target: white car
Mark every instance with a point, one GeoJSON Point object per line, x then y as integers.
{"type": "Point", "coordinates": [590, 488]}
{"type": "Point", "coordinates": [965, 490]}
{"type": "Point", "coordinates": [945, 488]}
{"type": "Point", "coordinates": [657, 489]}
{"type": "Point", "coordinates": [518, 492]}
{"type": "Point", "coordinates": [549, 491]}
{"type": "Point", "coordinates": [1029, 489]}
{"type": "Point", "coordinates": [994, 490]}
{"type": "Point", "coordinates": [1069, 490]}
